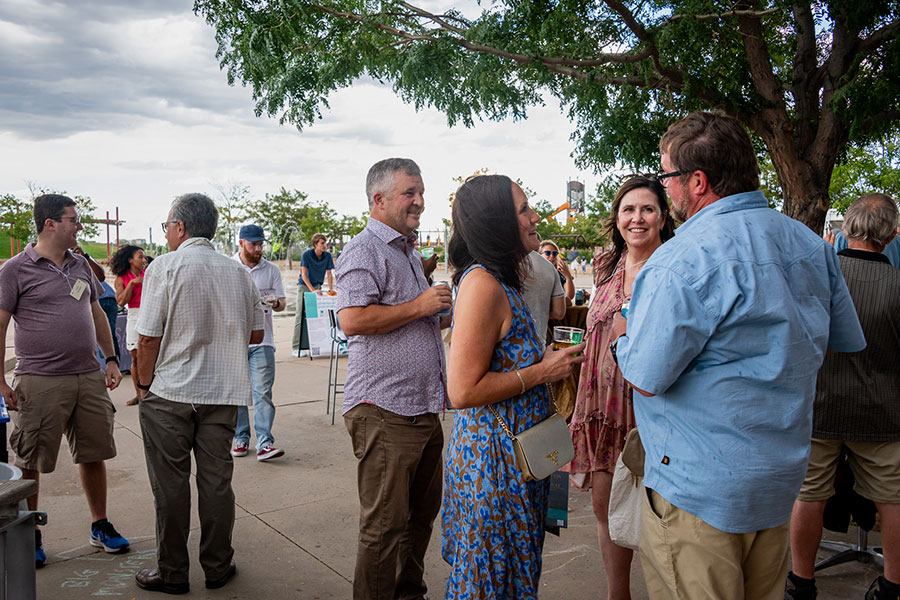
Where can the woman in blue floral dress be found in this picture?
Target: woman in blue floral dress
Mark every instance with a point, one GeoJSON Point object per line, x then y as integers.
{"type": "Point", "coordinates": [492, 518]}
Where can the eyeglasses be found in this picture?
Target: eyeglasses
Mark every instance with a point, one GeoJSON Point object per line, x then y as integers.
{"type": "Point", "coordinates": [661, 177]}
{"type": "Point", "coordinates": [165, 225]}
{"type": "Point", "coordinates": [549, 253]}
{"type": "Point", "coordinates": [75, 220]}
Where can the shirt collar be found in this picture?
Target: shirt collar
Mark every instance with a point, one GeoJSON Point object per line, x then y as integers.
{"type": "Point", "coordinates": [735, 202]}
{"type": "Point", "coordinates": [388, 234]}
{"type": "Point", "coordinates": [864, 255]}
{"type": "Point", "coordinates": [32, 254]}
{"type": "Point", "coordinates": [196, 241]}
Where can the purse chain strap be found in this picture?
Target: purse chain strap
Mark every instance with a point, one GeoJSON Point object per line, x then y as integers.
{"type": "Point", "coordinates": [503, 423]}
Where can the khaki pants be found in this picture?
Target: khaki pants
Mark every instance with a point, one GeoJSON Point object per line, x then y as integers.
{"type": "Point", "coordinates": [300, 339]}
{"type": "Point", "coordinates": [399, 477]}
{"type": "Point", "coordinates": [684, 557]}
{"type": "Point", "coordinates": [172, 430]}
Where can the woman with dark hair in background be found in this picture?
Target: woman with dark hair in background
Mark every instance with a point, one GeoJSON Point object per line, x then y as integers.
{"type": "Point", "coordinates": [639, 222]}
{"type": "Point", "coordinates": [128, 264]}
{"type": "Point", "coordinates": [493, 520]}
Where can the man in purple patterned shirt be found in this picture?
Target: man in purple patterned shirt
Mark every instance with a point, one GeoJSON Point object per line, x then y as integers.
{"type": "Point", "coordinates": [396, 385]}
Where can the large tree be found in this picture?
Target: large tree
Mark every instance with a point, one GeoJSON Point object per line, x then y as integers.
{"type": "Point", "coordinates": [807, 78]}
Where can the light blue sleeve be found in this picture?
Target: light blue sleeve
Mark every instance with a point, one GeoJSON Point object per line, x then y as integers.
{"type": "Point", "coordinates": [840, 242]}
{"type": "Point", "coordinates": [668, 326]}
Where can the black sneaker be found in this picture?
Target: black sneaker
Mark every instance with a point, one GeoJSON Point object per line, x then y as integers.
{"type": "Point", "coordinates": [799, 588]}
{"type": "Point", "coordinates": [876, 591]}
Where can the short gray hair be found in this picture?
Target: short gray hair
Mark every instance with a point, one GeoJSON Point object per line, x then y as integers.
{"type": "Point", "coordinates": [381, 176]}
{"type": "Point", "coordinates": [198, 213]}
{"type": "Point", "coordinates": [872, 218]}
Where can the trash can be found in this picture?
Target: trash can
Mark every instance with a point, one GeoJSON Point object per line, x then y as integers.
{"type": "Point", "coordinates": [17, 581]}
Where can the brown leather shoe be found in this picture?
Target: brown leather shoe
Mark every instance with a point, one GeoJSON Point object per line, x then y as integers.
{"type": "Point", "coordinates": [214, 584]}
{"type": "Point", "coordinates": [150, 580]}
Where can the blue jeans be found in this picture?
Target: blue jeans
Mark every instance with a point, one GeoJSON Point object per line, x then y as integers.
{"type": "Point", "coordinates": [262, 376]}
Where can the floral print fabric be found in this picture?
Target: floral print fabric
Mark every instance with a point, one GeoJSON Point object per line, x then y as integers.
{"type": "Point", "coordinates": [604, 412]}
{"type": "Point", "coordinates": [493, 520]}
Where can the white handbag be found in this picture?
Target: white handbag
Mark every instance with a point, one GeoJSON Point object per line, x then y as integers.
{"type": "Point", "coordinates": [626, 496]}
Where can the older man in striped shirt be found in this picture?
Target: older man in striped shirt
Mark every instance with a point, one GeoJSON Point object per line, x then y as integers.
{"type": "Point", "coordinates": [856, 410]}
{"type": "Point", "coordinates": [199, 311]}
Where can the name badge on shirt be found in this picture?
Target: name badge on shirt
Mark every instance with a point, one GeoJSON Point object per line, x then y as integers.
{"type": "Point", "coordinates": [78, 289]}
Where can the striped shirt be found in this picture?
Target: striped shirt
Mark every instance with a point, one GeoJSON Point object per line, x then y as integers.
{"type": "Point", "coordinates": [401, 371]}
{"type": "Point", "coordinates": [204, 306]}
{"type": "Point", "coordinates": [858, 394]}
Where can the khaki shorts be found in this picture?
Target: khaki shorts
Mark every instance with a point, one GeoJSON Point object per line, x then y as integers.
{"type": "Point", "coordinates": [77, 405]}
{"type": "Point", "coordinates": [685, 558]}
{"type": "Point", "coordinates": [875, 466]}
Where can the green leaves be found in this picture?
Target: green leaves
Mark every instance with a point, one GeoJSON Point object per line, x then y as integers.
{"type": "Point", "coordinates": [806, 78]}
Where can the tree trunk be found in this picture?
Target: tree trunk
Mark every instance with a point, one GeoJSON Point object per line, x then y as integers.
{"type": "Point", "coordinates": [804, 181]}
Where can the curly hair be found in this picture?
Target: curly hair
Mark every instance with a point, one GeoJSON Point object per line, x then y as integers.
{"type": "Point", "coordinates": [118, 264]}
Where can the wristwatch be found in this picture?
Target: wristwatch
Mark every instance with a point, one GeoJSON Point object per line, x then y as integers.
{"type": "Point", "coordinates": [112, 358]}
{"type": "Point", "coordinates": [146, 388]}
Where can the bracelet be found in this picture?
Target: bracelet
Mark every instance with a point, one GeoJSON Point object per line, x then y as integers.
{"type": "Point", "coordinates": [112, 358]}
{"type": "Point", "coordinates": [522, 381]}
{"type": "Point", "coordinates": [146, 388]}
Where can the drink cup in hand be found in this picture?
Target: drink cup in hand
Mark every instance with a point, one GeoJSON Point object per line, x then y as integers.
{"type": "Point", "coordinates": [566, 337]}
{"type": "Point", "coordinates": [435, 284]}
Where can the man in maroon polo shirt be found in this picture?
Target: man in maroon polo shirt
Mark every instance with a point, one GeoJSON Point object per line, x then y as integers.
{"type": "Point", "coordinates": [58, 387]}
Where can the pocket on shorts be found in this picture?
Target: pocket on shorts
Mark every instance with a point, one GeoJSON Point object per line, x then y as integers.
{"type": "Point", "coordinates": [25, 438]}
{"type": "Point", "coordinates": [659, 507]}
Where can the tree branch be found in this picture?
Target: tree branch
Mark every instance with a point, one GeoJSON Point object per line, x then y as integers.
{"type": "Point", "coordinates": [880, 36]}
{"type": "Point", "coordinates": [802, 88]}
{"type": "Point", "coordinates": [730, 13]}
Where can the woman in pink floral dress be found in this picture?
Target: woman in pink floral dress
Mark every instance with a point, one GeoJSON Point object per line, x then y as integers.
{"type": "Point", "coordinates": [639, 222]}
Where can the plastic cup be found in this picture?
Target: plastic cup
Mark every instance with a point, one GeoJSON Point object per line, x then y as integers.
{"type": "Point", "coordinates": [435, 284]}
{"type": "Point", "coordinates": [566, 337]}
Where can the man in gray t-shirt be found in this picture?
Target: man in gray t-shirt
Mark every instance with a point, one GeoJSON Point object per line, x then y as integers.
{"type": "Point", "coordinates": [543, 294]}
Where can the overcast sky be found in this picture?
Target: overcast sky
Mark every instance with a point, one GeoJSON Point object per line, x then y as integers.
{"type": "Point", "coordinates": [123, 101]}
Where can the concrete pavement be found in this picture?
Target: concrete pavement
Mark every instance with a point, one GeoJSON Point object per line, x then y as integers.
{"type": "Point", "coordinates": [296, 525]}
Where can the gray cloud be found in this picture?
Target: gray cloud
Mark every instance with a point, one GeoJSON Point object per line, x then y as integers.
{"type": "Point", "coordinates": [95, 65]}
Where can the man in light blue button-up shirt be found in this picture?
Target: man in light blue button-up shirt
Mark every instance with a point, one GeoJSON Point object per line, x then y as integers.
{"type": "Point", "coordinates": [728, 325]}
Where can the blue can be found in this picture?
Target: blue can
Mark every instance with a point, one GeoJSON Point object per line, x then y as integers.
{"type": "Point", "coordinates": [4, 413]}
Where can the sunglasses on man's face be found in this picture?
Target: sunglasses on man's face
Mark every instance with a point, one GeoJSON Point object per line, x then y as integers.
{"type": "Point", "coordinates": [552, 253]}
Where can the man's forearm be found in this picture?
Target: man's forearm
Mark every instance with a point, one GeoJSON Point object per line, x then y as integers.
{"type": "Point", "coordinates": [148, 353]}
{"type": "Point", "coordinates": [330, 275]}
{"type": "Point", "coordinates": [376, 319]}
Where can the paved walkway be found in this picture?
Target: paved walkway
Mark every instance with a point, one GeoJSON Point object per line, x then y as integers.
{"type": "Point", "coordinates": [296, 526]}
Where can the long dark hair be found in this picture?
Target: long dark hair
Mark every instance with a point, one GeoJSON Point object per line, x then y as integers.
{"type": "Point", "coordinates": [486, 230]}
{"type": "Point", "coordinates": [118, 264]}
{"type": "Point", "coordinates": [609, 260]}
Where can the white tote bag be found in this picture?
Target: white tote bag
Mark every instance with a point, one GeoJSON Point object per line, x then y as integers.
{"type": "Point", "coordinates": [627, 494]}
{"type": "Point", "coordinates": [625, 507]}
